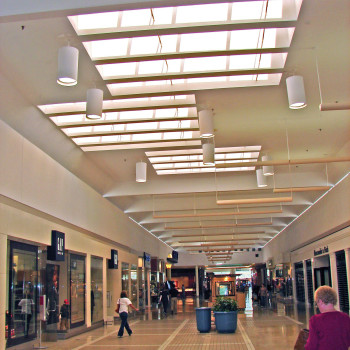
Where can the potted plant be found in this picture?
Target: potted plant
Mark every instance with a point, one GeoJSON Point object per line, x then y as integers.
{"type": "Point", "coordinates": [225, 312]}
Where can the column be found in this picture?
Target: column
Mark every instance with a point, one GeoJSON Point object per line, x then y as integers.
{"type": "Point", "coordinates": [104, 289]}
{"type": "Point", "coordinates": [88, 290]}
{"type": "Point", "coordinates": [306, 290]}
{"type": "Point", "coordinates": [347, 260]}
{"type": "Point", "coordinates": [334, 274]}
{"type": "Point", "coordinates": [3, 291]}
{"type": "Point", "coordinates": [148, 288]}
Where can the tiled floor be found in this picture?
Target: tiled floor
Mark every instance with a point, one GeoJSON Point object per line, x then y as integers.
{"type": "Point", "coordinates": [274, 328]}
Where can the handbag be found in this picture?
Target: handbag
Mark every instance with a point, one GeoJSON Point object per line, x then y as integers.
{"type": "Point", "coordinates": [302, 339]}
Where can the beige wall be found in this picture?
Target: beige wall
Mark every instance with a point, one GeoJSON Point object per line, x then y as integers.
{"type": "Point", "coordinates": [330, 212]}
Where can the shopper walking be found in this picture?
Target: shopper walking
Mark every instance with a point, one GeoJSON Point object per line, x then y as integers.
{"type": "Point", "coordinates": [64, 313]}
{"type": "Point", "coordinates": [122, 308]}
{"type": "Point", "coordinates": [164, 298]}
{"type": "Point", "coordinates": [174, 294]}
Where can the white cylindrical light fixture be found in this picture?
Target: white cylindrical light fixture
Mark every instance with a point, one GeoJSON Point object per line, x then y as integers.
{"type": "Point", "coordinates": [296, 92]}
{"type": "Point", "coordinates": [68, 57]}
{"type": "Point", "coordinates": [267, 169]}
{"type": "Point", "coordinates": [206, 126]}
{"type": "Point", "coordinates": [260, 178]}
{"type": "Point", "coordinates": [141, 172]}
{"type": "Point", "coordinates": [208, 153]}
{"type": "Point", "coordinates": [94, 104]}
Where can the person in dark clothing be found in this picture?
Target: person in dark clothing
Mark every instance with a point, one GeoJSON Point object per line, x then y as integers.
{"type": "Point", "coordinates": [174, 294]}
{"type": "Point", "coordinates": [164, 298]}
{"type": "Point", "coordinates": [64, 313]}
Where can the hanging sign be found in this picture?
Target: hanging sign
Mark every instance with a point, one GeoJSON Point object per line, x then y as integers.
{"type": "Point", "coordinates": [113, 261]}
{"type": "Point", "coordinates": [147, 259]}
{"type": "Point", "coordinates": [55, 252]}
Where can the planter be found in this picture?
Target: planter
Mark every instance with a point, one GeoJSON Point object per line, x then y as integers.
{"type": "Point", "coordinates": [203, 317]}
{"type": "Point", "coordinates": [226, 322]}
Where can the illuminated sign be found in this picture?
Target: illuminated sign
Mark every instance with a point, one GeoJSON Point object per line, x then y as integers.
{"type": "Point", "coordinates": [55, 252]}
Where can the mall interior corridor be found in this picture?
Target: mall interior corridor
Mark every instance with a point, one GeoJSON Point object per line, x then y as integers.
{"type": "Point", "coordinates": [274, 327]}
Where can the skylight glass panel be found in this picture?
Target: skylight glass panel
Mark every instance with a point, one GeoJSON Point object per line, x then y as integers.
{"type": "Point", "coordinates": [147, 137]}
{"type": "Point", "coordinates": [97, 20]}
{"type": "Point", "coordinates": [107, 48]}
{"type": "Point", "coordinates": [203, 41]}
{"type": "Point", "coordinates": [248, 10]}
{"type": "Point", "coordinates": [117, 69]}
{"type": "Point", "coordinates": [172, 135]}
{"type": "Point", "coordinates": [145, 45]}
{"type": "Point", "coordinates": [84, 140]}
{"type": "Point", "coordinates": [274, 9]}
{"type": "Point", "coordinates": [162, 15]}
{"type": "Point", "coordinates": [102, 128]}
{"type": "Point", "coordinates": [243, 62]}
{"type": "Point", "coordinates": [204, 63]}
{"type": "Point", "coordinates": [84, 129]}
{"type": "Point", "coordinates": [170, 125]}
{"type": "Point", "coordinates": [245, 39]}
{"type": "Point", "coordinates": [68, 119]}
{"type": "Point", "coordinates": [170, 112]}
{"type": "Point", "coordinates": [134, 18]}
{"type": "Point", "coordinates": [143, 114]}
{"type": "Point", "coordinates": [142, 126]}
{"type": "Point", "coordinates": [202, 13]}
{"type": "Point", "coordinates": [119, 127]}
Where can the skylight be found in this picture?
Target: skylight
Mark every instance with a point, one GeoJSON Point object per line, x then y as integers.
{"type": "Point", "coordinates": [145, 52]}
{"type": "Point", "coordinates": [130, 123]}
{"type": "Point", "coordinates": [191, 160]}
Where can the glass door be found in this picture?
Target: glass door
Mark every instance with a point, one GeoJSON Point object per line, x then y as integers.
{"type": "Point", "coordinates": [21, 313]}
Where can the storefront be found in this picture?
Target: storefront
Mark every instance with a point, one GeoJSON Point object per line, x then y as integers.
{"type": "Point", "coordinates": [324, 262]}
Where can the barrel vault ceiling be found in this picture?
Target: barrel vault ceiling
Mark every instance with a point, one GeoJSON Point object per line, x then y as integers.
{"type": "Point", "coordinates": [158, 67]}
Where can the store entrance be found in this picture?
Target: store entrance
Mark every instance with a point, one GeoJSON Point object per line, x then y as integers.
{"type": "Point", "coordinates": [322, 277]}
{"type": "Point", "coordinates": [322, 271]}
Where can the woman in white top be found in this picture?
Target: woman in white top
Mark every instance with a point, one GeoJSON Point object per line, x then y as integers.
{"type": "Point", "coordinates": [122, 309]}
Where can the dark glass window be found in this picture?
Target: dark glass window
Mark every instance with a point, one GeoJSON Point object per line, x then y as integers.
{"type": "Point", "coordinates": [21, 312]}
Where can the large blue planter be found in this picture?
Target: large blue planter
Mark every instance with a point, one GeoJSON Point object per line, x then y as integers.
{"type": "Point", "coordinates": [226, 322]}
{"type": "Point", "coordinates": [203, 317]}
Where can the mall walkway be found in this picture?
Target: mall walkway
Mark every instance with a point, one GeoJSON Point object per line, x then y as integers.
{"type": "Point", "coordinates": [271, 328]}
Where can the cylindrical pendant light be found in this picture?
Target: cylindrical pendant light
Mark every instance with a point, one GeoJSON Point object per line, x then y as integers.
{"type": "Point", "coordinates": [296, 92]}
{"type": "Point", "coordinates": [267, 169]}
{"type": "Point", "coordinates": [208, 152]}
{"type": "Point", "coordinates": [141, 172]}
{"type": "Point", "coordinates": [260, 178]}
{"type": "Point", "coordinates": [68, 57]}
{"type": "Point", "coordinates": [206, 126]}
{"type": "Point", "coordinates": [94, 104]}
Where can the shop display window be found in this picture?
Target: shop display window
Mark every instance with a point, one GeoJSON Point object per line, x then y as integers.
{"type": "Point", "coordinates": [133, 282]}
{"type": "Point", "coordinates": [125, 277]}
{"type": "Point", "coordinates": [225, 288]}
{"type": "Point", "coordinates": [21, 311]}
{"type": "Point", "coordinates": [77, 290]}
{"type": "Point", "coordinates": [96, 289]}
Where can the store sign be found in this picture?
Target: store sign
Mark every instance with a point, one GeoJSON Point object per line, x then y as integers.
{"type": "Point", "coordinates": [55, 252]}
{"type": "Point", "coordinates": [147, 259]}
{"type": "Point", "coordinates": [113, 261]}
{"type": "Point", "coordinates": [321, 251]}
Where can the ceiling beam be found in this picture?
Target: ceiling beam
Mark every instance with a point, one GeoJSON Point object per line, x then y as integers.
{"type": "Point", "coordinates": [193, 54]}
{"type": "Point", "coordinates": [251, 212]}
{"type": "Point", "coordinates": [301, 189]}
{"type": "Point", "coordinates": [187, 28]}
{"type": "Point", "coordinates": [218, 234]}
{"type": "Point", "coordinates": [202, 74]}
{"type": "Point", "coordinates": [224, 240]}
{"type": "Point", "coordinates": [216, 226]}
{"type": "Point", "coordinates": [285, 162]}
{"type": "Point", "coordinates": [254, 201]}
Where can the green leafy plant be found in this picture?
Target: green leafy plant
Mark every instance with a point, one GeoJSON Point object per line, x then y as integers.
{"type": "Point", "coordinates": [225, 304]}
